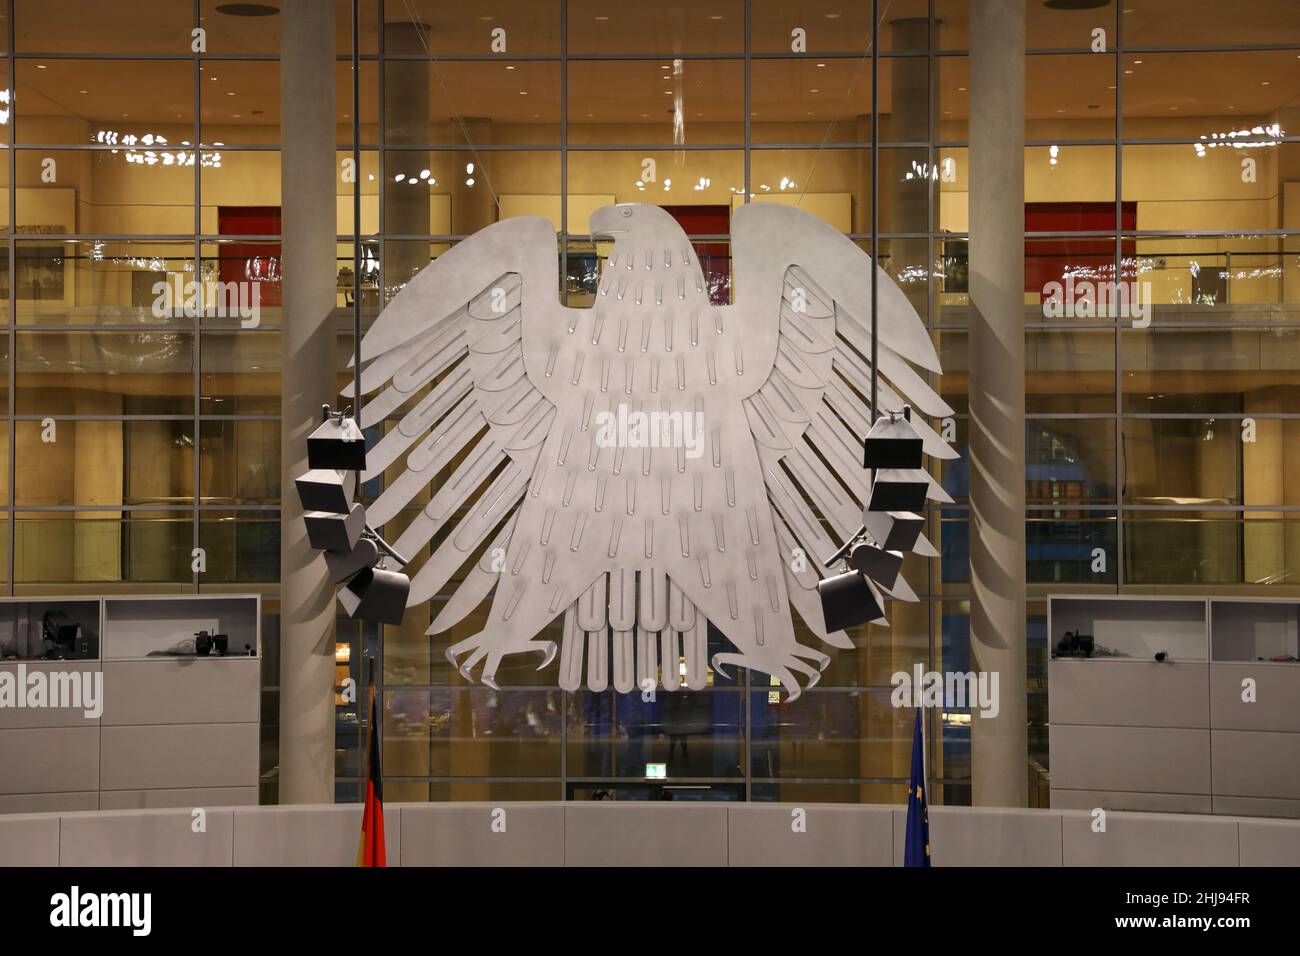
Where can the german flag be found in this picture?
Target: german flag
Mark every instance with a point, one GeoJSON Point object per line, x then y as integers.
{"type": "Point", "coordinates": [370, 850]}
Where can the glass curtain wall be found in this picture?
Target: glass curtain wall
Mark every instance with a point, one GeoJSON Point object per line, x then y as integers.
{"type": "Point", "coordinates": [1162, 308]}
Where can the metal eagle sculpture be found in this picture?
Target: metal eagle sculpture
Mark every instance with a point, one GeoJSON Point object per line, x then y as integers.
{"type": "Point", "coordinates": [639, 543]}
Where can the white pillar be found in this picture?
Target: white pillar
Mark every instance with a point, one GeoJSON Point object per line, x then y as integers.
{"type": "Point", "coordinates": [308, 254]}
{"type": "Point", "coordinates": [999, 745]}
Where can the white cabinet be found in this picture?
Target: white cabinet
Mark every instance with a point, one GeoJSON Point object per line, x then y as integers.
{"type": "Point", "coordinates": [155, 724]}
{"type": "Point", "coordinates": [1213, 727]}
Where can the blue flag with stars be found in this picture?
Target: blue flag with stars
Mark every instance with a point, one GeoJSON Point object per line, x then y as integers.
{"type": "Point", "coordinates": [916, 851]}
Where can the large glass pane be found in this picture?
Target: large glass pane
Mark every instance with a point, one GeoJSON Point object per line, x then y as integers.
{"type": "Point", "coordinates": [1182, 461]}
{"type": "Point", "coordinates": [239, 462]}
{"type": "Point", "coordinates": [1229, 371]}
{"type": "Point", "coordinates": [808, 100]}
{"type": "Point", "coordinates": [75, 101]}
{"type": "Point", "coordinates": [695, 733]}
{"type": "Point", "coordinates": [239, 102]}
{"type": "Point", "coordinates": [104, 373]}
{"type": "Point", "coordinates": [652, 101]}
{"type": "Point", "coordinates": [472, 103]}
{"type": "Point", "coordinates": [81, 462]}
{"type": "Point", "coordinates": [146, 547]}
{"type": "Point", "coordinates": [136, 190]}
{"type": "Point", "coordinates": [1198, 186]}
{"type": "Point", "coordinates": [1209, 23]}
{"type": "Point", "coordinates": [240, 374]}
{"type": "Point", "coordinates": [240, 546]}
{"type": "Point", "coordinates": [1069, 97]}
{"type": "Point", "coordinates": [1212, 279]}
{"type": "Point", "coordinates": [600, 28]}
{"type": "Point", "coordinates": [100, 282]}
{"type": "Point", "coordinates": [156, 27]}
{"type": "Point", "coordinates": [831, 734]}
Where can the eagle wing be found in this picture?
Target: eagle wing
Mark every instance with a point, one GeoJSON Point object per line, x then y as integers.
{"type": "Point", "coordinates": [450, 348]}
{"type": "Point", "coordinates": [810, 415]}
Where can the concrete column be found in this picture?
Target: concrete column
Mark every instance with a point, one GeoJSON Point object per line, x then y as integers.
{"type": "Point", "coordinates": [307, 382]}
{"type": "Point", "coordinates": [999, 761]}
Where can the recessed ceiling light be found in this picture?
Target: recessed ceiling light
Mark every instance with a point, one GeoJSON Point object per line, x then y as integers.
{"type": "Point", "coordinates": [1128, 72]}
{"type": "Point", "coordinates": [715, 17]}
{"type": "Point", "coordinates": [1138, 62]}
{"type": "Point", "coordinates": [832, 16]}
{"type": "Point", "coordinates": [523, 92]}
{"type": "Point", "coordinates": [814, 91]}
{"type": "Point", "coordinates": [510, 68]}
{"type": "Point", "coordinates": [602, 18]}
{"type": "Point", "coordinates": [83, 91]}
{"type": "Point", "coordinates": [1263, 82]}
{"type": "Point", "coordinates": [230, 94]}
{"type": "Point", "coordinates": [961, 89]}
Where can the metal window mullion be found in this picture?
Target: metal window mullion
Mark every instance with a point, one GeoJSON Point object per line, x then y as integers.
{"type": "Point", "coordinates": [1119, 267]}
{"type": "Point", "coordinates": [12, 308]}
{"type": "Point", "coordinates": [198, 274]}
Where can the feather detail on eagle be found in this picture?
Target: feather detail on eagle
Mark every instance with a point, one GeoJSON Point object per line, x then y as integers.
{"type": "Point", "coordinates": [639, 544]}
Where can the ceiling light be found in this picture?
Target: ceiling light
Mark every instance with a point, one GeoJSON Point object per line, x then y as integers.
{"type": "Point", "coordinates": [821, 65]}
{"type": "Point", "coordinates": [40, 66]}
{"type": "Point", "coordinates": [469, 169]}
{"type": "Point", "coordinates": [1137, 62]}
{"type": "Point", "coordinates": [814, 91]}
{"type": "Point", "coordinates": [602, 18]}
{"type": "Point", "coordinates": [510, 68]}
{"type": "Point", "coordinates": [523, 92]}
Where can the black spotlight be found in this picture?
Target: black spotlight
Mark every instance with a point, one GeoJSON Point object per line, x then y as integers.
{"type": "Point", "coordinates": [337, 443]}
{"type": "Point", "coordinates": [892, 442]}
{"type": "Point", "coordinates": [343, 564]}
{"type": "Point", "coordinates": [876, 563]}
{"type": "Point", "coordinates": [894, 530]}
{"type": "Point", "coordinates": [898, 489]}
{"type": "Point", "coordinates": [848, 600]}
{"type": "Point", "coordinates": [335, 532]}
{"type": "Point", "coordinates": [376, 594]}
{"type": "Point", "coordinates": [326, 489]}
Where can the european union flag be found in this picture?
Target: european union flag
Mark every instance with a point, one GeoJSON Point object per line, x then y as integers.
{"type": "Point", "coordinates": [916, 851]}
